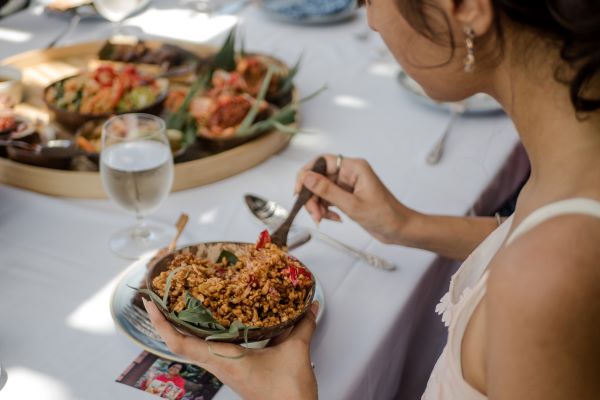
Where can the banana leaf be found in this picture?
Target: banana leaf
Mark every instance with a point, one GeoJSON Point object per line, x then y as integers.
{"type": "Point", "coordinates": [225, 58]}
{"type": "Point", "coordinates": [287, 83]}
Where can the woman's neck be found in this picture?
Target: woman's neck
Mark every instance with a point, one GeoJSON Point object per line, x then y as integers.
{"type": "Point", "coordinates": [564, 151]}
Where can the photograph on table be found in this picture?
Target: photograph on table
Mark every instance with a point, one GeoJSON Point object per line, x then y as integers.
{"type": "Point", "coordinates": [169, 379]}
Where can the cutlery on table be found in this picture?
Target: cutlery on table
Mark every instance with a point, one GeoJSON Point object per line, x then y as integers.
{"type": "Point", "coordinates": [280, 236]}
{"type": "Point", "coordinates": [180, 225]}
{"type": "Point", "coordinates": [435, 155]}
{"type": "Point", "coordinates": [77, 14]}
{"type": "Point", "coordinates": [272, 214]}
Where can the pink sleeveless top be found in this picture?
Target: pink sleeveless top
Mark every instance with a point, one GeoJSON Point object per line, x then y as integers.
{"type": "Point", "coordinates": [468, 287]}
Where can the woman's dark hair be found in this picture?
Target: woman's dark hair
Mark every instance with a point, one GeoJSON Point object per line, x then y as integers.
{"type": "Point", "coordinates": [574, 25]}
{"type": "Point", "coordinates": [178, 363]}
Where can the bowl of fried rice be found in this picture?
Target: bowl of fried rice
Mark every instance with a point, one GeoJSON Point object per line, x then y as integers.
{"type": "Point", "coordinates": [231, 292]}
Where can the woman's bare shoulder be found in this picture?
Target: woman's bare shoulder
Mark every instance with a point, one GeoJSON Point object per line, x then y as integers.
{"type": "Point", "coordinates": [561, 255]}
{"type": "Point", "coordinates": [543, 313]}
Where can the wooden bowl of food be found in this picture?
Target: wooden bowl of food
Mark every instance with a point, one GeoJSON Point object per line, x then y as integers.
{"type": "Point", "coordinates": [231, 292]}
{"type": "Point", "coordinates": [104, 92]}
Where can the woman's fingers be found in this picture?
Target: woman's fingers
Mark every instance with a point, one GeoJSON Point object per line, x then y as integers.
{"type": "Point", "coordinates": [325, 189]}
{"type": "Point", "coordinates": [304, 330]}
{"type": "Point", "coordinates": [187, 346]}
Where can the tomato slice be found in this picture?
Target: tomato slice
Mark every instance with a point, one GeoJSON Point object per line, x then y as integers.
{"type": "Point", "coordinates": [263, 239]}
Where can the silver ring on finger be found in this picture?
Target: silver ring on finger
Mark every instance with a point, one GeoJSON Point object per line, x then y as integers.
{"type": "Point", "coordinates": [338, 166]}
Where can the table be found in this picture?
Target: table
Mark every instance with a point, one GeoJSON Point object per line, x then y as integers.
{"type": "Point", "coordinates": [57, 339]}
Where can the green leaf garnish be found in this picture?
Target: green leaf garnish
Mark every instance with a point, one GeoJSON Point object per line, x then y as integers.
{"type": "Point", "coordinates": [249, 119]}
{"type": "Point", "coordinates": [288, 82]}
{"type": "Point", "coordinates": [279, 120]}
{"type": "Point", "coordinates": [165, 299]}
{"type": "Point", "coordinates": [229, 256]}
{"type": "Point", "coordinates": [195, 313]}
{"type": "Point", "coordinates": [178, 119]}
{"type": "Point", "coordinates": [225, 58]}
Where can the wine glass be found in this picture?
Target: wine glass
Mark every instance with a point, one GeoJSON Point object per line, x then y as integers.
{"type": "Point", "coordinates": [136, 166]}
{"type": "Point", "coordinates": [118, 10]}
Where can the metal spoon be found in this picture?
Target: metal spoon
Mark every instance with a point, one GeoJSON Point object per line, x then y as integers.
{"type": "Point", "coordinates": [272, 215]}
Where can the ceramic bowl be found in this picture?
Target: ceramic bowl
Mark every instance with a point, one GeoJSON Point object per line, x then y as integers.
{"type": "Point", "coordinates": [74, 120]}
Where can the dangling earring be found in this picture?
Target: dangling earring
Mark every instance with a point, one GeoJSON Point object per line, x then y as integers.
{"type": "Point", "coordinates": [470, 43]}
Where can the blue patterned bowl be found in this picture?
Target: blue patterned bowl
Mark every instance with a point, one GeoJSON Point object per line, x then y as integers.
{"type": "Point", "coordinates": [309, 11]}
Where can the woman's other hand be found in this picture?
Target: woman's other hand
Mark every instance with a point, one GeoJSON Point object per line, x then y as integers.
{"type": "Point", "coordinates": [282, 371]}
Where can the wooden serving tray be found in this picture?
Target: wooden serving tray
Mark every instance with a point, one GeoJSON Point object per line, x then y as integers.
{"type": "Point", "coordinates": [42, 67]}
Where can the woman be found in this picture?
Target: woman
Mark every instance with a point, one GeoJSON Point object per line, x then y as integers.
{"type": "Point", "coordinates": [523, 312]}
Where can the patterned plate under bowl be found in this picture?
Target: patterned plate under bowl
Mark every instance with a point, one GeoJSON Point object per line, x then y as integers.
{"type": "Point", "coordinates": [121, 303]}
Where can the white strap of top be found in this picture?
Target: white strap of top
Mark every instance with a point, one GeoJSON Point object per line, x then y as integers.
{"type": "Point", "coordinates": [570, 206]}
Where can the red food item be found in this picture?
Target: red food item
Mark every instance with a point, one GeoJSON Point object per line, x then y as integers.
{"type": "Point", "coordinates": [296, 271]}
{"type": "Point", "coordinates": [105, 75]}
{"type": "Point", "coordinates": [293, 275]}
{"type": "Point", "coordinates": [230, 111]}
{"type": "Point", "coordinates": [118, 90]}
{"type": "Point", "coordinates": [7, 123]}
{"type": "Point", "coordinates": [263, 239]}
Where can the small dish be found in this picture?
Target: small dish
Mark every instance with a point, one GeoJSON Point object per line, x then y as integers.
{"type": "Point", "coordinates": [123, 295]}
{"type": "Point", "coordinates": [211, 251]}
{"type": "Point", "coordinates": [478, 104]}
{"type": "Point", "coordinates": [11, 88]}
{"type": "Point", "coordinates": [55, 154]}
{"type": "Point", "coordinates": [313, 12]}
{"type": "Point", "coordinates": [74, 119]}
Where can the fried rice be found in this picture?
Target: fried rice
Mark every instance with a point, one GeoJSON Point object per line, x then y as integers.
{"type": "Point", "coordinates": [265, 287]}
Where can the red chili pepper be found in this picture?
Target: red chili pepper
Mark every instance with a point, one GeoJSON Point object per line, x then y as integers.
{"type": "Point", "coordinates": [293, 275]}
{"type": "Point", "coordinates": [263, 239]}
{"type": "Point", "coordinates": [299, 270]}
{"type": "Point", "coordinates": [105, 75]}
{"type": "Point", "coordinates": [118, 90]}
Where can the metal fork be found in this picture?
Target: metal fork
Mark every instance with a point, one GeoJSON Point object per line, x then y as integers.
{"type": "Point", "coordinates": [140, 321]}
{"type": "Point", "coordinates": [456, 110]}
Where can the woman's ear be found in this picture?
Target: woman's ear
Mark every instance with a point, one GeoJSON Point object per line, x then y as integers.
{"type": "Point", "coordinates": [475, 14]}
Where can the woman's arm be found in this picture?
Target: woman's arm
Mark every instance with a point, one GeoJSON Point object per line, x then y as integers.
{"type": "Point", "coordinates": [357, 191]}
{"type": "Point", "coordinates": [452, 237]}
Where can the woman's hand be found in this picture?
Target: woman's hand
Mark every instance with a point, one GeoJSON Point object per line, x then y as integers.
{"type": "Point", "coordinates": [279, 372]}
{"type": "Point", "coordinates": [359, 193]}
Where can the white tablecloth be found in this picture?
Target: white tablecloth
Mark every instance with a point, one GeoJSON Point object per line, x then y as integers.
{"type": "Point", "coordinates": [57, 339]}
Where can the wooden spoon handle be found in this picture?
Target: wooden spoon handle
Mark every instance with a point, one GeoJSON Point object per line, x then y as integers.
{"type": "Point", "coordinates": [279, 237]}
{"type": "Point", "coordinates": [180, 225]}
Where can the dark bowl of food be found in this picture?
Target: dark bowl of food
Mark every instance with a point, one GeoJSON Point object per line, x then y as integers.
{"type": "Point", "coordinates": [55, 154]}
{"type": "Point", "coordinates": [104, 92]}
{"type": "Point", "coordinates": [14, 127]}
{"type": "Point", "coordinates": [231, 292]}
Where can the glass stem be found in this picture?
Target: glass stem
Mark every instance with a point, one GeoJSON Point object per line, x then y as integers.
{"type": "Point", "coordinates": [141, 230]}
